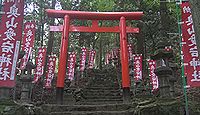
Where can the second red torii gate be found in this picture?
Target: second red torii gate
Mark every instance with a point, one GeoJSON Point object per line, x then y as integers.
{"type": "Point", "coordinates": [94, 16]}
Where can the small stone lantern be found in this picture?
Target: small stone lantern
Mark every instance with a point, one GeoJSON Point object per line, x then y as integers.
{"type": "Point", "coordinates": [26, 81]}
{"type": "Point", "coordinates": [163, 71]}
{"type": "Point", "coordinates": [173, 78]}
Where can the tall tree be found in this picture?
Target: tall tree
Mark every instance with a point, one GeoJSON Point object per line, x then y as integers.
{"type": "Point", "coordinates": [164, 18]}
{"type": "Point", "coordinates": [195, 5]}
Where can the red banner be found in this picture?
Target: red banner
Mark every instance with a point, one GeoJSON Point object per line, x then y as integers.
{"type": "Point", "coordinates": [50, 70]}
{"type": "Point", "coordinates": [152, 75]}
{"type": "Point", "coordinates": [10, 37]}
{"type": "Point", "coordinates": [107, 58]}
{"type": "Point", "coordinates": [115, 53]}
{"type": "Point", "coordinates": [40, 62]}
{"type": "Point", "coordinates": [190, 52]}
{"type": "Point", "coordinates": [137, 62]}
{"type": "Point", "coordinates": [71, 65]}
{"type": "Point", "coordinates": [91, 58]}
{"type": "Point", "coordinates": [130, 52]}
{"type": "Point", "coordinates": [28, 41]}
{"type": "Point", "coordinates": [83, 58]}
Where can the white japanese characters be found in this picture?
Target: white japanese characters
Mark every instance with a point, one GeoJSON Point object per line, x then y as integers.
{"type": "Point", "coordinates": [91, 58]}
{"type": "Point", "coordinates": [71, 65]}
{"type": "Point", "coordinates": [40, 62]}
{"type": "Point", "coordinates": [190, 52]}
{"type": "Point", "coordinates": [152, 75]}
{"type": "Point", "coordinates": [50, 71]}
{"type": "Point", "coordinates": [83, 58]}
{"type": "Point", "coordinates": [28, 41]}
{"type": "Point", "coordinates": [10, 36]}
{"type": "Point", "coordinates": [130, 52]}
{"type": "Point", "coordinates": [137, 67]}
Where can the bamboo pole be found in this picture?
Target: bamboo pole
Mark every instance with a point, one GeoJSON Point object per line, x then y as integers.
{"type": "Point", "coordinates": [182, 63]}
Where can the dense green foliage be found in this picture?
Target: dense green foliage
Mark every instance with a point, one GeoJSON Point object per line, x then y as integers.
{"type": "Point", "coordinates": [151, 23]}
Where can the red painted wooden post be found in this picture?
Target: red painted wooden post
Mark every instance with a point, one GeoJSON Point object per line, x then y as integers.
{"type": "Point", "coordinates": [124, 61]}
{"type": "Point", "coordinates": [62, 61]}
{"type": "Point", "coordinates": [124, 53]}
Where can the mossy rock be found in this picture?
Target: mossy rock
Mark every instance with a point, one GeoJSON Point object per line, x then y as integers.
{"type": "Point", "coordinates": [159, 107]}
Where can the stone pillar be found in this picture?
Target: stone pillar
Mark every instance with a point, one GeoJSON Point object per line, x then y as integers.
{"type": "Point", "coordinates": [162, 55]}
{"type": "Point", "coordinates": [164, 73]}
{"type": "Point", "coordinates": [173, 78]}
{"type": "Point", "coordinates": [4, 93]}
{"type": "Point", "coordinates": [26, 81]}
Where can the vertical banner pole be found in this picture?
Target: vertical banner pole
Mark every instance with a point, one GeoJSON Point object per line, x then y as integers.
{"type": "Point", "coordinates": [62, 61]}
{"type": "Point", "coordinates": [124, 61]}
{"type": "Point", "coordinates": [182, 63]}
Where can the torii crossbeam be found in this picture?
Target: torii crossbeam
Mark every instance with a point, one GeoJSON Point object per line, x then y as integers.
{"type": "Point", "coordinates": [94, 16]}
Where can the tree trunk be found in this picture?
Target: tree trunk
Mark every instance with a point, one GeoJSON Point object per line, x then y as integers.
{"type": "Point", "coordinates": [50, 41]}
{"type": "Point", "coordinates": [195, 5]}
{"type": "Point", "coordinates": [164, 19]}
{"type": "Point", "coordinates": [100, 54]}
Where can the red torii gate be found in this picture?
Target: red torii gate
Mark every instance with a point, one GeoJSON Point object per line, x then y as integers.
{"type": "Point", "coordinates": [94, 16]}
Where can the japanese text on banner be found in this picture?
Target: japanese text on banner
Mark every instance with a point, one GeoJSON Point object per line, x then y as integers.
{"type": "Point", "coordinates": [10, 37]}
{"type": "Point", "coordinates": [190, 52]}
{"type": "Point", "coordinates": [50, 71]}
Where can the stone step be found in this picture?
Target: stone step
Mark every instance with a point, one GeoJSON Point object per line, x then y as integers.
{"type": "Point", "coordinates": [103, 85]}
{"type": "Point", "coordinates": [103, 100]}
{"type": "Point", "coordinates": [105, 107]}
{"type": "Point", "coordinates": [99, 103]}
{"type": "Point", "coordinates": [104, 79]}
{"type": "Point", "coordinates": [94, 113]}
{"type": "Point", "coordinates": [103, 97]}
{"type": "Point", "coordinates": [101, 88]}
{"type": "Point", "coordinates": [101, 91]}
{"type": "Point", "coordinates": [102, 94]}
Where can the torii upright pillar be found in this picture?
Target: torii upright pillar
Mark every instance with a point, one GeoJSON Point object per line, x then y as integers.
{"type": "Point", "coordinates": [124, 61]}
{"type": "Point", "coordinates": [63, 58]}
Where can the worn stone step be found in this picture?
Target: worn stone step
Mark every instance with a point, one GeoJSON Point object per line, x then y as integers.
{"type": "Point", "coordinates": [103, 97]}
{"type": "Point", "coordinates": [103, 100]}
{"type": "Point", "coordinates": [102, 94]}
{"type": "Point", "coordinates": [104, 80]}
{"type": "Point", "coordinates": [105, 107]}
{"type": "Point", "coordinates": [99, 103]}
{"type": "Point", "coordinates": [101, 88]}
{"type": "Point", "coordinates": [94, 113]}
{"type": "Point", "coordinates": [103, 85]}
{"type": "Point", "coordinates": [101, 91]}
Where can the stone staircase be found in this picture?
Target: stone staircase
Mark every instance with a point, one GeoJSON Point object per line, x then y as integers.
{"type": "Point", "coordinates": [103, 89]}
{"type": "Point", "coordinates": [102, 96]}
{"type": "Point", "coordinates": [102, 109]}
